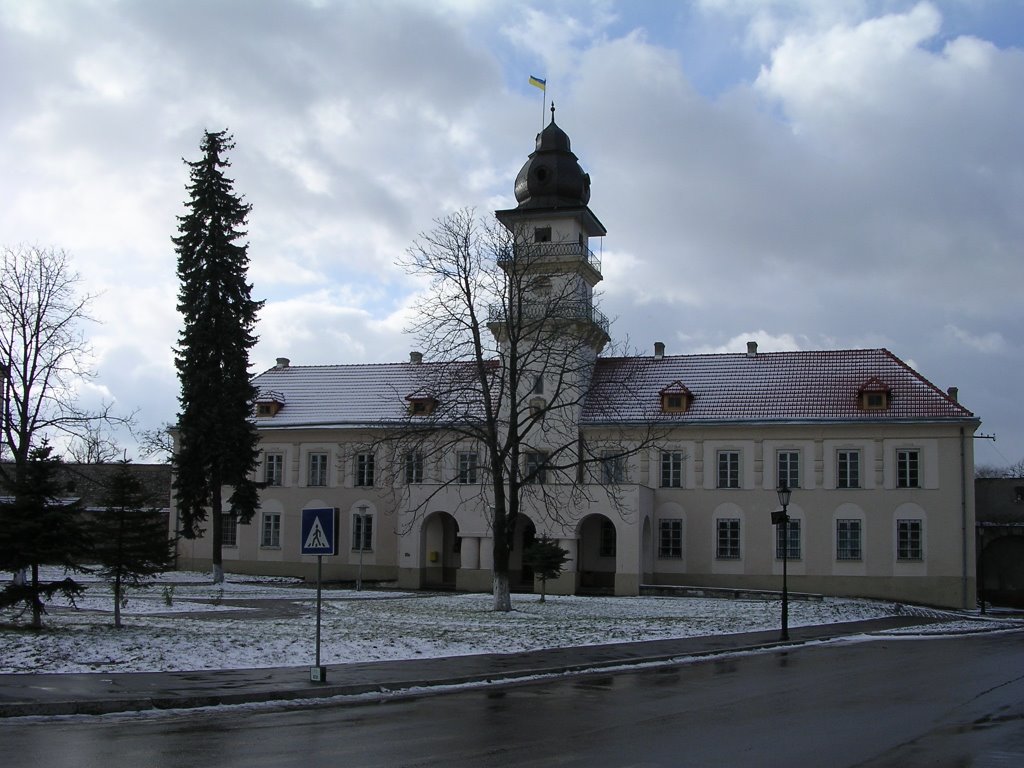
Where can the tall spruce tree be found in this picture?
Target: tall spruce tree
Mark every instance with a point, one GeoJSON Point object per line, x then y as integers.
{"type": "Point", "coordinates": [217, 442]}
{"type": "Point", "coordinates": [39, 527]}
{"type": "Point", "coordinates": [131, 541]}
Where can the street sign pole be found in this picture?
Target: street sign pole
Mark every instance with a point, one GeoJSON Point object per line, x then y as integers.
{"type": "Point", "coordinates": [319, 537]}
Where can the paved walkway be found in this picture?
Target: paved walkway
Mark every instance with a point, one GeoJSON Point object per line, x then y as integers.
{"type": "Point", "coordinates": [99, 693]}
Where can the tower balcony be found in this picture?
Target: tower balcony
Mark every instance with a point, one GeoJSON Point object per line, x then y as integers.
{"type": "Point", "coordinates": [574, 311]}
{"type": "Point", "coordinates": [552, 253]}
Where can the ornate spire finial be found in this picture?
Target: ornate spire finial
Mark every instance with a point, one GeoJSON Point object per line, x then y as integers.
{"type": "Point", "coordinates": [552, 111]}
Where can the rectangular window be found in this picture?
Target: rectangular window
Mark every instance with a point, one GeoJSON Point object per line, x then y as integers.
{"type": "Point", "coordinates": [908, 465]}
{"type": "Point", "coordinates": [607, 544]}
{"type": "Point", "coordinates": [728, 469]}
{"type": "Point", "coordinates": [671, 469]}
{"type": "Point", "coordinates": [229, 530]}
{"type": "Point", "coordinates": [670, 538]}
{"type": "Point", "coordinates": [467, 467]}
{"type": "Point", "coordinates": [793, 553]}
{"type": "Point", "coordinates": [908, 540]}
{"type": "Point", "coordinates": [317, 469]}
{"type": "Point", "coordinates": [728, 542]}
{"type": "Point", "coordinates": [271, 530]}
{"type": "Point", "coordinates": [789, 469]}
{"type": "Point", "coordinates": [613, 467]}
{"type": "Point", "coordinates": [848, 469]}
{"type": "Point", "coordinates": [536, 463]}
{"type": "Point", "coordinates": [274, 468]}
{"type": "Point", "coordinates": [362, 532]}
{"type": "Point", "coordinates": [848, 540]}
{"type": "Point", "coordinates": [364, 469]}
{"type": "Point", "coordinates": [413, 467]}
{"type": "Point", "coordinates": [542, 234]}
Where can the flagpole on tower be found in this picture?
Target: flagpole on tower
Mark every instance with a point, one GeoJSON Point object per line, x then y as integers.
{"type": "Point", "coordinates": [537, 82]}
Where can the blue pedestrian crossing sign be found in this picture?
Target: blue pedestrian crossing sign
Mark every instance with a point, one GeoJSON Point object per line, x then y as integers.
{"type": "Point", "coordinates": [318, 532]}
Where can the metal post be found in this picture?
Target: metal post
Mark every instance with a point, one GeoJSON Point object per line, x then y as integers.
{"type": "Point", "coordinates": [785, 586]}
{"type": "Point", "coordinates": [319, 573]}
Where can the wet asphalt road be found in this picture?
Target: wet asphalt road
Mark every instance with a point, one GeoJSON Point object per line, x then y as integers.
{"type": "Point", "coordinates": [884, 702]}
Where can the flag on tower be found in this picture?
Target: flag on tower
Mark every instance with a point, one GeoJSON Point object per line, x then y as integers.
{"type": "Point", "coordinates": [536, 82]}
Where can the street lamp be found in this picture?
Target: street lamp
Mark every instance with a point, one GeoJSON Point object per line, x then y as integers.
{"type": "Point", "coordinates": [782, 518]}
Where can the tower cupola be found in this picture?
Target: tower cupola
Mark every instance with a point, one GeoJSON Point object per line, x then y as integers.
{"type": "Point", "coordinates": [552, 176]}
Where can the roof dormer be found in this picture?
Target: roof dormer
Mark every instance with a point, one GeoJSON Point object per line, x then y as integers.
{"type": "Point", "coordinates": [676, 398]}
{"type": "Point", "coordinates": [269, 402]}
{"type": "Point", "coordinates": [874, 395]}
{"type": "Point", "coordinates": [421, 403]}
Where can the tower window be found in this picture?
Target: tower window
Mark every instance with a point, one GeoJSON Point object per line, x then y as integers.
{"type": "Point", "coordinates": [542, 235]}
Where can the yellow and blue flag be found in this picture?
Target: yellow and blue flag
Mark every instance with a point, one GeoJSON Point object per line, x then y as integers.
{"type": "Point", "coordinates": [536, 82]}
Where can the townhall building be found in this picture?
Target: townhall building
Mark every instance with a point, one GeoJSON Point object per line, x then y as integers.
{"type": "Point", "coordinates": [879, 460]}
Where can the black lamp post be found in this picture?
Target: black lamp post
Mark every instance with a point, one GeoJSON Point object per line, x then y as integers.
{"type": "Point", "coordinates": [782, 518]}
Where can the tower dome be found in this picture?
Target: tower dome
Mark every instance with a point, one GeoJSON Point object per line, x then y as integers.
{"type": "Point", "coordinates": [552, 176]}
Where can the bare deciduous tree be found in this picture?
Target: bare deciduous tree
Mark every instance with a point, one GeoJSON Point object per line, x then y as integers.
{"type": "Point", "coordinates": [517, 338]}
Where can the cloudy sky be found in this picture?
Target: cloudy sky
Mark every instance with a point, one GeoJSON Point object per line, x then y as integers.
{"type": "Point", "coordinates": [805, 174]}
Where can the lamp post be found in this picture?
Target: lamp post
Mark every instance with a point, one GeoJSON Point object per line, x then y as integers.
{"type": "Point", "coordinates": [362, 539]}
{"type": "Point", "coordinates": [782, 518]}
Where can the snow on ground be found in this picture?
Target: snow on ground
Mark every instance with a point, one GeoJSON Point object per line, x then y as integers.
{"type": "Point", "coordinates": [181, 623]}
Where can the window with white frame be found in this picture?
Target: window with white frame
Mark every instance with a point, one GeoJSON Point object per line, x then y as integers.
{"type": "Point", "coordinates": [364, 469]}
{"type": "Point", "coordinates": [613, 467]}
{"type": "Point", "coordinates": [848, 538]}
{"type": "Point", "coordinates": [908, 540]}
{"type": "Point", "coordinates": [273, 472]}
{"type": "Point", "coordinates": [362, 531]}
{"type": "Point", "coordinates": [728, 469]}
{"type": "Point", "coordinates": [671, 469]}
{"type": "Point", "coordinates": [788, 464]}
{"type": "Point", "coordinates": [728, 539]}
{"type": "Point", "coordinates": [468, 474]}
{"type": "Point", "coordinates": [606, 546]}
{"type": "Point", "coordinates": [793, 552]}
{"type": "Point", "coordinates": [670, 538]}
{"type": "Point", "coordinates": [536, 467]}
{"type": "Point", "coordinates": [229, 530]}
{"type": "Point", "coordinates": [848, 469]}
{"type": "Point", "coordinates": [271, 536]}
{"type": "Point", "coordinates": [317, 469]}
{"type": "Point", "coordinates": [908, 463]}
{"type": "Point", "coordinates": [413, 467]}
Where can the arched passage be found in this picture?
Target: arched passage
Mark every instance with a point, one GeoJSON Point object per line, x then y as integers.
{"type": "Point", "coordinates": [440, 550]}
{"type": "Point", "coordinates": [1001, 571]}
{"type": "Point", "coordinates": [521, 575]}
{"type": "Point", "coordinates": [598, 544]}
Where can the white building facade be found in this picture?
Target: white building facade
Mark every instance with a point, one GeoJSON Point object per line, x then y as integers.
{"type": "Point", "coordinates": [879, 460]}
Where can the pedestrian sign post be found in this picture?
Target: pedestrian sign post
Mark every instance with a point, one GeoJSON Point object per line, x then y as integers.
{"type": "Point", "coordinates": [319, 537]}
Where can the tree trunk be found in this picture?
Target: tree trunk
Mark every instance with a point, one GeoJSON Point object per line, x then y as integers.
{"type": "Point", "coordinates": [37, 606]}
{"type": "Point", "coordinates": [117, 601]}
{"type": "Point", "coordinates": [216, 562]}
{"type": "Point", "coordinates": [502, 592]}
{"type": "Point", "coordinates": [543, 588]}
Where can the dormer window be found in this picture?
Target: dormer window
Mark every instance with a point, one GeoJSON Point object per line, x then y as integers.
{"type": "Point", "coordinates": [676, 398]}
{"type": "Point", "coordinates": [269, 403]}
{"type": "Point", "coordinates": [874, 395]}
{"type": "Point", "coordinates": [421, 404]}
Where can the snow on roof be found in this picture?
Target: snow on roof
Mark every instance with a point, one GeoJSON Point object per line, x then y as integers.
{"type": "Point", "coordinates": [774, 386]}
{"type": "Point", "coordinates": [782, 386]}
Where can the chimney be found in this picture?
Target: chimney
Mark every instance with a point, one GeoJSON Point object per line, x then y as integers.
{"type": "Point", "coordinates": [283, 362]}
{"type": "Point", "coordinates": [954, 394]}
{"type": "Point", "coordinates": [415, 358]}
{"type": "Point", "coordinates": [659, 350]}
{"type": "Point", "coordinates": [751, 349]}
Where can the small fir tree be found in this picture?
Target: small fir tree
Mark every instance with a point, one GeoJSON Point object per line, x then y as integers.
{"type": "Point", "coordinates": [37, 528]}
{"type": "Point", "coordinates": [217, 442]}
{"type": "Point", "coordinates": [131, 536]}
{"type": "Point", "coordinates": [546, 559]}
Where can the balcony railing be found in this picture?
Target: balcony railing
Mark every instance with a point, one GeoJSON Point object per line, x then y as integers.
{"type": "Point", "coordinates": [539, 251]}
{"type": "Point", "coordinates": [579, 311]}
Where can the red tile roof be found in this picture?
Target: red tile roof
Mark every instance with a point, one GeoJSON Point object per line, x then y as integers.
{"type": "Point", "coordinates": [773, 386]}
